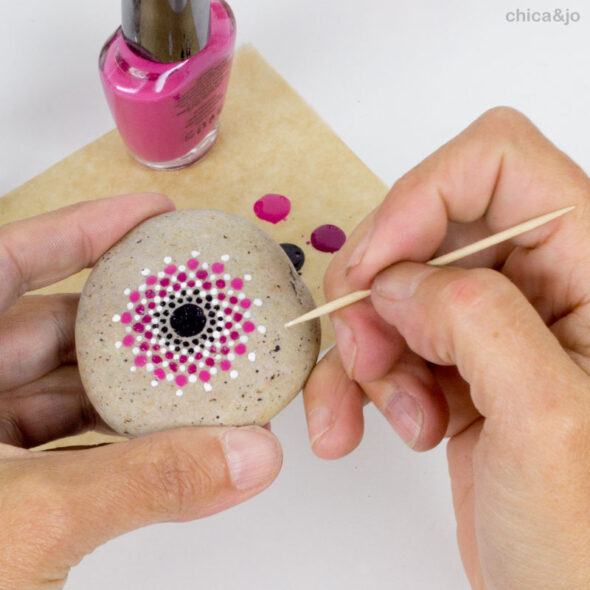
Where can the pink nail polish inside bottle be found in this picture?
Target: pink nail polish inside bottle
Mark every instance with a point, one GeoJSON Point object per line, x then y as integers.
{"type": "Point", "coordinates": [165, 73]}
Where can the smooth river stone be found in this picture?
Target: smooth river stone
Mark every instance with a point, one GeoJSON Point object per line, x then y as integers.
{"type": "Point", "coordinates": [182, 323]}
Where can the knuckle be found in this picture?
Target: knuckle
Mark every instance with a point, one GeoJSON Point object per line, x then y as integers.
{"type": "Point", "coordinates": [470, 290]}
{"type": "Point", "coordinates": [179, 480]}
{"type": "Point", "coordinates": [503, 118]}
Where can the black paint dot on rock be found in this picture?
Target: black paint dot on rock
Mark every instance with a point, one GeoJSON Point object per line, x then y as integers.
{"type": "Point", "coordinates": [188, 320]}
{"type": "Point", "coordinates": [295, 254]}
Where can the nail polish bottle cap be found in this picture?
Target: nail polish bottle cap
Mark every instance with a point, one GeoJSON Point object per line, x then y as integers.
{"type": "Point", "coordinates": [166, 31]}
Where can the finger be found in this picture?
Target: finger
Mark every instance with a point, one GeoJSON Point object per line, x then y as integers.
{"type": "Point", "coordinates": [412, 402]}
{"type": "Point", "coordinates": [49, 408]}
{"type": "Point", "coordinates": [334, 409]}
{"type": "Point", "coordinates": [367, 345]}
{"type": "Point", "coordinates": [91, 496]}
{"type": "Point", "coordinates": [36, 337]}
{"type": "Point", "coordinates": [480, 322]}
{"type": "Point", "coordinates": [42, 250]}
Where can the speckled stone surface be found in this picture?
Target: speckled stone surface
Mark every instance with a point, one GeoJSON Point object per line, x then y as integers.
{"type": "Point", "coordinates": [182, 323]}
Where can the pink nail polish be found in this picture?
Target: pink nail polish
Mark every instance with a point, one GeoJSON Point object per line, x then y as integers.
{"type": "Point", "coordinates": [165, 73]}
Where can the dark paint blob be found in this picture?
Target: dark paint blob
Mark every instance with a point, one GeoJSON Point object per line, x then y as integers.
{"type": "Point", "coordinates": [328, 238]}
{"type": "Point", "coordinates": [295, 254]}
{"type": "Point", "coordinates": [272, 208]}
{"type": "Point", "coordinates": [188, 320]}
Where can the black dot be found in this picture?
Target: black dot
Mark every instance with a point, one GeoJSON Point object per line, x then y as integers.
{"type": "Point", "coordinates": [164, 330]}
{"type": "Point", "coordinates": [191, 350]}
{"type": "Point", "coordinates": [177, 349]}
{"type": "Point", "coordinates": [180, 300]}
{"type": "Point", "coordinates": [176, 341]}
{"type": "Point", "coordinates": [185, 343]}
{"type": "Point", "coordinates": [188, 320]}
{"type": "Point", "coordinates": [195, 341]}
{"type": "Point", "coordinates": [172, 305]}
{"type": "Point", "coordinates": [183, 292]}
{"type": "Point", "coordinates": [219, 328]}
{"type": "Point", "coordinates": [166, 313]}
{"type": "Point", "coordinates": [156, 315]}
{"type": "Point", "coordinates": [209, 298]}
{"type": "Point", "coordinates": [168, 336]}
{"type": "Point", "coordinates": [199, 300]}
{"type": "Point", "coordinates": [209, 330]}
{"type": "Point", "coordinates": [211, 314]}
{"type": "Point", "coordinates": [211, 339]}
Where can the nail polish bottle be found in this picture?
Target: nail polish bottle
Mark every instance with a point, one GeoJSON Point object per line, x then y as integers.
{"type": "Point", "coordinates": [165, 73]}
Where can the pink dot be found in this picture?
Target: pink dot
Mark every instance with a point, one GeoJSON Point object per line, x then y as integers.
{"type": "Point", "coordinates": [204, 376]}
{"type": "Point", "coordinates": [126, 318]}
{"type": "Point", "coordinates": [207, 285]}
{"type": "Point", "coordinates": [128, 340]}
{"type": "Point", "coordinates": [181, 380]}
{"type": "Point", "coordinates": [140, 309]}
{"type": "Point", "coordinates": [146, 319]}
{"type": "Point", "coordinates": [225, 350]}
{"type": "Point", "coordinates": [170, 269]}
{"type": "Point", "coordinates": [138, 328]}
{"type": "Point", "coordinates": [183, 358]}
{"type": "Point", "coordinates": [221, 296]}
{"type": "Point", "coordinates": [173, 367]}
{"type": "Point", "coordinates": [156, 359]}
{"type": "Point", "coordinates": [192, 263]}
{"type": "Point", "coordinates": [225, 365]}
{"type": "Point", "coordinates": [199, 356]}
{"type": "Point", "coordinates": [162, 293]}
{"type": "Point", "coordinates": [192, 369]}
{"type": "Point", "coordinates": [149, 335]}
{"type": "Point", "coordinates": [191, 284]}
{"type": "Point", "coordinates": [223, 340]}
{"type": "Point", "coordinates": [140, 360]}
{"type": "Point", "coordinates": [176, 287]}
{"type": "Point", "coordinates": [181, 277]}
{"type": "Point", "coordinates": [238, 317]}
{"type": "Point", "coordinates": [237, 283]}
{"type": "Point", "coordinates": [134, 297]}
{"type": "Point", "coordinates": [220, 284]}
{"type": "Point", "coordinates": [151, 305]}
{"type": "Point", "coordinates": [228, 325]}
{"type": "Point", "coordinates": [169, 355]}
{"type": "Point", "coordinates": [202, 274]}
{"type": "Point", "coordinates": [213, 350]}
{"type": "Point", "coordinates": [155, 347]}
{"type": "Point", "coordinates": [234, 335]}
{"type": "Point", "coordinates": [245, 303]}
{"type": "Point", "coordinates": [227, 311]}
{"type": "Point", "coordinates": [151, 280]}
{"type": "Point", "coordinates": [240, 349]}
{"type": "Point", "coordinates": [249, 327]}
{"type": "Point", "coordinates": [209, 362]}
{"type": "Point", "coordinates": [233, 300]}
{"type": "Point", "coordinates": [150, 293]}
{"type": "Point", "coordinates": [144, 346]}
{"type": "Point", "coordinates": [160, 374]}
{"type": "Point", "coordinates": [165, 282]}
{"type": "Point", "coordinates": [217, 267]}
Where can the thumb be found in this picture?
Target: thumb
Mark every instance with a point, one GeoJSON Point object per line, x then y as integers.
{"type": "Point", "coordinates": [93, 495]}
{"type": "Point", "coordinates": [479, 321]}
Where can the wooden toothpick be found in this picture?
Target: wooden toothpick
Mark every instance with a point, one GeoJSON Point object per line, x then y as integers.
{"type": "Point", "coordinates": [463, 252]}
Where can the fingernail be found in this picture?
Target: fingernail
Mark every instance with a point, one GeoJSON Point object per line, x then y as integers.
{"type": "Point", "coordinates": [346, 345]}
{"type": "Point", "coordinates": [401, 281]}
{"type": "Point", "coordinates": [319, 421]}
{"type": "Point", "coordinates": [253, 457]}
{"type": "Point", "coordinates": [358, 252]}
{"type": "Point", "coordinates": [406, 417]}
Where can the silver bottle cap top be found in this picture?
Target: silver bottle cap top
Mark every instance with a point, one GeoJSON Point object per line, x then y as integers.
{"type": "Point", "coordinates": [166, 30]}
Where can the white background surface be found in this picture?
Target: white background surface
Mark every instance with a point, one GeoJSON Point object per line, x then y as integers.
{"type": "Point", "coordinates": [395, 80]}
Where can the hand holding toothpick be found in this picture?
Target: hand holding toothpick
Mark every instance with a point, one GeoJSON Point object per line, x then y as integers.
{"type": "Point", "coordinates": [439, 261]}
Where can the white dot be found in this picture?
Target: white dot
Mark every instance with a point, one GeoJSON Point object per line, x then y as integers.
{"type": "Point", "coordinates": [130, 306]}
{"type": "Point", "coordinates": [201, 365]}
{"type": "Point", "coordinates": [179, 392]}
{"type": "Point", "coordinates": [182, 268]}
{"type": "Point", "coordinates": [169, 377]}
{"type": "Point", "coordinates": [217, 357]}
{"type": "Point", "coordinates": [257, 302]}
{"type": "Point", "coordinates": [142, 287]}
{"type": "Point", "coordinates": [247, 315]}
{"type": "Point", "coordinates": [230, 292]}
{"type": "Point", "coordinates": [138, 338]}
{"type": "Point", "coordinates": [214, 291]}
{"type": "Point", "coordinates": [191, 275]}
{"type": "Point", "coordinates": [182, 368]}
{"type": "Point", "coordinates": [233, 374]}
{"type": "Point", "coordinates": [145, 272]}
{"type": "Point", "coordinates": [157, 299]}
{"type": "Point", "coordinates": [231, 356]}
{"type": "Point", "coordinates": [213, 371]}
{"type": "Point", "coordinates": [118, 344]}
{"type": "Point", "coordinates": [167, 260]}
{"type": "Point", "coordinates": [225, 257]}
{"type": "Point", "coordinates": [205, 353]}
{"type": "Point", "coordinates": [149, 353]}
{"type": "Point", "coordinates": [199, 284]}
{"type": "Point", "coordinates": [159, 308]}
{"type": "Point", "coordinates": [247, 277]}
{"type": "Point", "coordinates": [195, 253]}
{"type": "Point", "coordinates": [241, 296]}
{"type": "Point", "coordinates": [154, 383]}
{"type": "Point", "coordinates": [153, 341]}
{"type": "Point", "coordinates": [207, 387]}
{"type": "Point", "coordinates": [261, 329]}
{"type": "Point", "coordinates": [162, 341]}
{"type": "Point", "coordinates": [116, 318]}
{"type": "Point", "coordinates": [156, 330]}
{"type": "Point", "coordinates": [127, 329]}
{"type": "Point", "coordinates": [205, 265]}
{"type": "Point", "coordinates": [165, 364]}
{"type": "Point", "coordinates": [252, 357]}
{"type": "Point", "coordinates": [184, 351]}
{"type": "Point", "coordinates": [169, 289]}
{"type": "Point", "coordinates": [149, 367]}
{"type": "Point", "coordinates": [176, 357]}
{"type": "Point", "coordinates": [144, 301]}
{"type": "Point", "coordinates": [226, 277]}
{"type": "Point", "coordinates": [192, 378]}
{"type": "Point", "coordinates": [136, 350]}
{"type": "Point", "coordinates": [137, 317]}
{"type": "Point", "coordinates": [226, 332]}
{"type": "Point", "coordinates": [133, 369]}
{"type": "Point", "coordinates": [161, 274]}
{"type": "Point", "coordinates": [127, 292]}
{"type": "Point", "coordinates": [244, 339]}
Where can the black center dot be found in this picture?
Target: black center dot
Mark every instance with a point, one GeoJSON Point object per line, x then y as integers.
{"type": "Point", "coordinates": [188, 320]}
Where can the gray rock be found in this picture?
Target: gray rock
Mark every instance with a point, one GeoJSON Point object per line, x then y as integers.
{"type": "Point", "coordinates": [182, 323]}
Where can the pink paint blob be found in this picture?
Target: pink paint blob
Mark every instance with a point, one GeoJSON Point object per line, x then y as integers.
{"type": "Point", "coordinates": [192, 369]}
{"type": "Point", "coordinates": [217, 267]}
{"type": "Point", "coordinates": [159, 374]}
{"type": "Point", "coordinates": [328, 238]}
{"type": "Point", "coordinates": [272, 208]}
{"type": "Point", "coordinates": [126, 318]}
{"type": "Point", "coordinates": [192, 263]}
{"type": "Point", "coordinates": [170, 269]}
{"type": "Point", "coordinates": [237, 283]}
{"type": "Point", "coordinates": [240, 348]}
{"type": "Point", "coordinates": [165, 282]}
{"type": "Point", "coordinates": [248, 327]}
{"type": "Point", "coordinates": [151, 280]}
{"type": "Point", "coordinates": [245, 303]}
{"type": "Point", "coordinates": [128, 340]}
{"type": "Point", "coordinates": [210, 362]}
{"type": "Point", "coordinates": [140, 360]}
{"type": "Point", "coordinates": [204, 376]}
{"type": "Point", "coordinates": [181, 277]}
{"type": "Point", "coordinates": [134, 297]}
{"type": "Point", "coordinates": [181, 380]}
{"type": "Point", "coordinates": [202, 274]}
{"type": "Point", "coordinates": [225, 365]}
